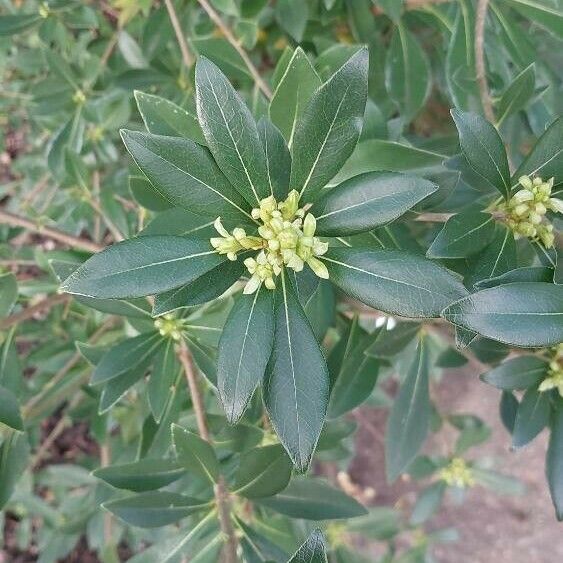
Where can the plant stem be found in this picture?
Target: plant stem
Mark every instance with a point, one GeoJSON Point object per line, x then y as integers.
{"type": "Point", "coordinates": [221, 493]}
{"type": "Point", "coordinates": [76, 242]}
{"type": "Point", "coordinates": [481, 74]}
{"type": "Point", "coordinates": [186, 55]}
{"type": "Point", "coordinates": [412, 5]}
{"type": "Point", "coordinates": [236, 44]}
{"type": "Point", "coordinates": [28, 313]}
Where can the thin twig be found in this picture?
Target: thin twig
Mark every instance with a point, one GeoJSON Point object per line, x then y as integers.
{"type": "Point", "coordinates": [105, 460]}
{"type": "Point", "coordinates": [433, 217]}
{"type": "Point", "coordinates": [30, 312]}
{"type": "Point", "coordinates": [76, 242]}
{"type": "Point", "coordinates": [221, 493]}
{"type": "Point", "coordinates": [412, 5]}
{"type": "Point", "coordinates": [186, 55]}
{"type": "Point", "coordinates": [237, 45]}
{"type": "Point", "coordinates": [481, 74]}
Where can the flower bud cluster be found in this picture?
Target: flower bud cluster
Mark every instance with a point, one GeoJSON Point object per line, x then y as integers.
{"type": "Point", "coordinates": [554, 379]}
{"type": "Point", "coordinates": [457, 474]}
{"type": "Point", "coordinates": [169, 326]}
{"type": "Point", "coordinates": [286, 239]}
{"type": "Point", "coordinates": [525, 211]}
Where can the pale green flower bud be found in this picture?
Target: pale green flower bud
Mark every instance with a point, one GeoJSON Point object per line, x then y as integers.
{"type": "Point", "coordinates": [290, 206]}
{"type": "Point", "coordinates": [239, 233]}
{"type": "Point", "coordinates": [270, 283]}
{"type": "Point", "coordinates": [526, 182]}
{"type": "Point", "coordinates": [288, 238]}
{"type": "Point", "coordinates": [555, 205]}
{"type": "Point", "coordinates": [320, 248]}
{"type": "Point", "coordinates": [534, 218]}
{"type": "Point", "coordinates": [540, 208]}
{"type": "Point", "coordinates": [274, 244]}
{"type": "Point", "coordinates": [537, 181]}
{"type": "Point", "coordinates": [521, 209]}
{"type": "Point", "coordinates": [220, 229]}
{"type": "Point", "coordinates": [522, 196]}
{"type": "Point", "coordinates": [318, 267]}
{"type": "Point", "coordinates": [266, 233]}
{"type": "Point", "coordinates": [276, 224]}
{"type": "Point", "coordinates": [252, 285]}
{"type": "Point", "coordinates": [309, 225]}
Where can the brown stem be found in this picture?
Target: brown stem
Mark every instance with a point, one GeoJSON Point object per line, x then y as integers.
{"type": "Point", "coordinates": [236, 44]}
{"type": "Point", "coordinates": [413, 5]}
{"type": "Point", "coordinates": [76, 242]}
{"type": "Point", "coordinates": [186, 55]}
{"type": "Point", "coordinates": [220, 490]}
{"type": "Point", "coordinates": [433, 217]}
{"type": "Point", "coordinates": [28, 313]}
{"type": "Point", "coordinates": [482, 7]}
{"type": "Point", "coordinates": [105, 460]}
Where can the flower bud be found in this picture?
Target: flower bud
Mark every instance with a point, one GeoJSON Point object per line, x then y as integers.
{"type": "Point", "coordinates": [309, 225]}
{"type": "Point", "coordinates": [290, 206]}
{"type": "Point", "coordinates": [522, 195]}
{"type": "Point", "coordinates": [555, 205]}
{"type": "Point", "coordinates": [526, 182]}
{"type": "Point", "coordinates": [318, 267]}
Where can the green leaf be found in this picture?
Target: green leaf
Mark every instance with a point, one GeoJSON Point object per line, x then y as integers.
{"type": "Point", "coordinates": [184, 173]}
{"type": "Point", "coordinates": [427, 503]}
{"type": "Point", "coordinates": [296, 384]}
{"type": "Point", "coordinates": [196, 454]}
{"type": "Point", "coordinates": [8, 293]}
{"type": "Point", "coordinates": [330, 127]}
{"type": "Point", "coordinates": [13, 24]}
{"type": "Point", "coordinates": [292, 94]}
{"type": "Point", "coordinates": [517, 373]}
{"type": "Point", "coordinates": [463, 234]}
{"type": "Point", "coordinates": [497, 482]}
{"type": "Point", "coordinates": [162, 117]}
{"type": "Point", "coordinates": [131, 51]}
{"type": "Point", "coordinates": [263, 472]}
{"type": "Point", "coordinates": [116, 387]}
{"type": "Point", "coordinates": [14, 453]}
{"type": "Point", "coordinates": [278, 158]}
{"type": "Point", "coordinates": [142, 266]}
{"type": "Point", "coordinates": [553, 460]}
{"type": "Point", "coordinates": [389, 342]}
{"type": "Point", "coordinates": [353, 374]}
{"type": "Point", "coordinates": [518, 314]}
{"type": "Point", "coordinates": [393, 281]}
{"type": "Point", "coordinates": [257, 548]}
{"type": "Point", "coordinates": [142, 475]}
{"type": "Point", "coordinates": [407, 72]}
{"type": "Point", "coordinates": [10, 410]}
{"type": "Point", "coordinates": [545, 158]}
{"type": "Point", "coordinates": [131, 354]}
{"type": "Point", "coordinates": [163, 378]}
{"type": "Point", "coordinates": [527, 274]}
{"type": "Point", "coordinates": [508, 407]}
{"type": "Point", "coordinates": [203, 289]}
{"type": "Point", "coordinates": [70, 135]}
{"type": "Point", "coordinates": [482, 147]}
{"type": "Point", "coordinates": [231, 132]}
{"type": "Point", "coordinates": [292, 16]}
{"type": "Point", "coordinates": [409, 419]}
{"type": "Point", "coordinates": [382, 523]}
{"type": "Point", "coordinates": [313, 499]}
{"type": "Point", "coordinates": [146, 195]}
{"type": "Point", "coordinates": [154, 509]}
{"type": "Point", "coordinates": [517, 95]}
{"type": "Point", "coordinates": [312, 551]}
{"type": "Point", "coordinates": [367, 201]}
{"type": "Point", "coordinates": [244, 350]}
{"type": "Point", "coordinates": [531, 418]}
{"type": "Point", "coordinates": [543, 13]}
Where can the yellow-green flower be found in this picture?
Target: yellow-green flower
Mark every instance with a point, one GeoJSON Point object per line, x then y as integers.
{"type": "Point", "coordinates": [457, 474]}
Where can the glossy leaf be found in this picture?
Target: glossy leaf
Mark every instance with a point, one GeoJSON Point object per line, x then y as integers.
{"type": "Point", "coordinates": [393, 281]}
{"type": "Point", "coordinates": [244, 350]}
{"type": "Point", "coordinates": [278, 158]}
{"type": "Point", "coordinates": [154, 509]}
{"type": "Point", "coordinates": [230, 132]}
{"type": "Point", "coordinates": [519, 314]}
{"type": "Point", "coordinates": [184, 173]}
{"type": "Point", "coordinates": [263, 472]}
{"type": "Point", "coordinates": [554, 460]}
{"type": "Point", "coordinates": [292, 16]}
{"type": "Point", "coordinates": [546, 15]}
{"type": "Point", "coordinates": [517, 373]}
{"type": "Point", "coordinates": [312, 551]}
{"type": "Point", "coordinates": [10, 410]}
{"type": "Point", "coordinates": [517, 95]}
{"type": "Point", "coordinates": [367, 201]}
{"type": "Point", "coordinates": [12, 24]}
{"type": "Point", "coordinates": [142, 266]}
{"type": "Point", "coordinates": [14, 453]}
{"type": "Point", "coordinates": [162, 117]}
{"type": "Point", "coordinates": [409, 419]}
{"type": "Point", "coordinates": [293, 91]}
{"type": "Point", "coordinates": [195, 453]}
{"type": "Point", "coordinates": [427, 503]}
{"type": "Point", "coordinates": [531, 418]}
{"type": "Point", "coordinates": [163, 377]}
{"type": "Point", "coordinates": [296, 384]}
{"type": "Point", "coordinates": [8, 293]}
{"type": "Point", "coordinates": [330, 127]}
{"type": "Point", "coordinates": [313, 499]}
{"type": "Point", "coordinates": [142, 475]}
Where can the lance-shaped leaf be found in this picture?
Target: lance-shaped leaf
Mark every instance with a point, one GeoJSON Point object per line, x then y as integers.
{"type": "Point", "coordinates": [407, 72]}
{"type": "Point", "coordinates": [142, 266]}
{"type": "Point", "coordinates": [367, 201]}
{"type": "Point", "coordinates": [482, 147]}
{"type": "Point", "coordinates": [10, 410]}
{"type": "Point", "coordinates": [545, 158]}
{"type": "Point", "coordinates": [531, 418]}
{"type": "Point", "coordinates": [294, 90]}
{"type": "Point", "coordinates": [313, 499]}
{"type": "Point", "coordinates": [463, 234]}
{"type": "Point", "coordinates": [330, 127]}
{"type": "Point", "coordinates": [541, 13]}
{"type": "Point", "coordinates": [278, 158]}
{"type": "Point", "coordinates": [132, 354]}
{"type": "Point", "coordinates": [244, 350]}
{"type": "Point", "coordinates": [16, 23]}
{"type": "Point", "coordinates": [142, 475]}
{"type": "Point", "coordinates": [554, 460]}
{"type": "Point", "coordinates": [154, 509]}
{"type": "Point", "coordinates": [14, 453]}
{"type": "Point", "coordinates": [312, 551]}
{"type": "Point", "coordinates": [163, 117]}
{"type": "Point", "coordinates": [519, 314]}
{"type": "Point", "coordinates": [185, 174]}
{"type": "Point", "coordinates": [263, 472]}
{"type": "Point", "coordinates": [409, 419]}
{"type": "Point", "coordinates": [296, 385]}
{"type": "Point", "coordinates": [517, 373]}
{"type": "Point", "coordinates": [163, 377]}
{"type": "Point", "coordinates": [517, 95]}
{"type": "Point", "coordinates": [230, 132]}
{"type": "Point", "coordinates": [196, 454]}
{"type": "Point", "coordinates": [8, 293]}
{"type": "Point", "coordinates": [394, 281]}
